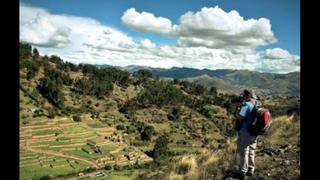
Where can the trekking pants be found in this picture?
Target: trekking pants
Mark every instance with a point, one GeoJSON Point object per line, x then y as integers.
{"type": "Point", "coordinates": [246, 146]}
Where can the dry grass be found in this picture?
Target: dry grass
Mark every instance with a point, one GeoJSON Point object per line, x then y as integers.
{"type": "Point", "coordinates": [283, 130]}
{"type": "Point", "coordinates": [210, 164]}
{"type": "Point", "coordinates": [207, 165]}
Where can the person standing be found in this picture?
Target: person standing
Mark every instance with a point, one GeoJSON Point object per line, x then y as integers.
{"type": "Point", "coordinates": [246, 143]}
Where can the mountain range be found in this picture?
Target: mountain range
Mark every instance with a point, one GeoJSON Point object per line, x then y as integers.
{"type": "Point", "coordinates": [230, 81]}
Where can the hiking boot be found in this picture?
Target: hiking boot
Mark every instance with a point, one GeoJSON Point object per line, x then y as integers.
{"type": "Point", "coordinates": [239, 176]}
{"type": "Point", "coordinates": [249, 173]}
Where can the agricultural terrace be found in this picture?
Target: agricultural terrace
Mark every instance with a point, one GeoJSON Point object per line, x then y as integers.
{"type": "Point", "coordinates": [62, 146]}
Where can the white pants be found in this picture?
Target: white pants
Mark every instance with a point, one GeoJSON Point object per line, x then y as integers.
{"type": "Point", "coordinates": [246, 146]}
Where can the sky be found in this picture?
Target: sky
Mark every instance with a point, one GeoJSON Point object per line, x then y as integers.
{"type": "Point", "coordinates": [260, 35]}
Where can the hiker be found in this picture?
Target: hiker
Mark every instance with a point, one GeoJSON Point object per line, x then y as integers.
{"type": "Point", "coordinates": [246, 143]}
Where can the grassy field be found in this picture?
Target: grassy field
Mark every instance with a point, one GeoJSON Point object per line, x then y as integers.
{"type": "Point", "coordinates": [74, 129]}
{"type": "Point", "coordinates": [59, 166]}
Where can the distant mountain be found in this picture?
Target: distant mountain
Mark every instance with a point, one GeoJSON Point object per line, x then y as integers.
{"type": "Point", "coordinates": [232, 81]}
{"type": "Point", "coordinates": [263, 83]}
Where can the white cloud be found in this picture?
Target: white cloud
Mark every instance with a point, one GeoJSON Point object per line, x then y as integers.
{"type": "Point", "coordinates": [277, 53]}
{"type": "Point", "coordinates": [209, 27]}
{"type": "Point", "coordinates": [145, 22]}
{"type": "Point", "coordinates": [37, 28]}
{"type": "Point", "coordinates": [215, 28]}
{"type": "Point", "coordinates": [41, 28]}
{"type": "Point", "coordinates": [147, 43]}
{"type": "Point", "coordinates": [277, 60]}
{"type": "Point", "coordinates": [85, 40]}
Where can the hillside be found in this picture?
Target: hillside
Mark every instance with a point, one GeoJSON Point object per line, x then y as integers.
{"type": "Point", "coordinates": [80, 121]}
{"type": "Point", "coordinates": [233, 81]}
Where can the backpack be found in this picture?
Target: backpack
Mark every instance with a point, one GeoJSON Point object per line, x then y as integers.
{"type": "Point", "coordinates": [259, 119]}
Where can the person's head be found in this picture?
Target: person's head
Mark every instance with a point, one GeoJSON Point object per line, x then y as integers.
{"type": "Point", "coordinates": [247, 94]}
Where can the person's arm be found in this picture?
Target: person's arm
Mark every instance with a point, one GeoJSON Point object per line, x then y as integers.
{"type": "Point", "coordinates": [243, 112]}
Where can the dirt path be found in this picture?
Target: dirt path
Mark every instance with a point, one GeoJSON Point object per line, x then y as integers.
{"type": "Point", "coordinates": [91, 162]}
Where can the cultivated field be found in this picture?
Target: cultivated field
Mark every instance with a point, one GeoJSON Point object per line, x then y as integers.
{"type": "Point", "coordinates": [62, 146]}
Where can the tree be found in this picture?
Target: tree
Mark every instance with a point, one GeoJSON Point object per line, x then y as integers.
{"type": "Point", "coordinates": [159, 93]}
{"type": "Point", "coordinates": [143, 75]}
{"type": "Point", "coordinates": [52, 91]}
{"type": "Point", "coordinates": [55, 59]}
{"type": "Point", "coordinates": [161, 147]}
{"type": "Point", "coordinates": [93, 86]}
{"type": "Point", "coordinates": [147, 133]}
{"type": "Point", "coordinates": [35, 53]}
{"type": "Point", "coordinates": [88, 68]}
{"type": "Point", "coordinates": [213, 91]}
{"type": "Point", "coordinates": [32, 67]}
{"type": "Point", "coordinates": [175, 114]}
{"type": "Point", "coordinates": [24, 51]}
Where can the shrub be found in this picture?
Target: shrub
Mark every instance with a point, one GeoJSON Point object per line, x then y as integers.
{"type": "Point", "coordinates": [76, 118]}
{"type": "Point", "coordinates": [130, 129]}
{"type": "Point", "coordinates": [174, 115]}
{"type": "Point", "coordinates": [120, 127]}
{"type": "Point", "coordinates": [51, 113]}
{"type": "Point", "coordinates": [147, 133]}
{"type": "Point", "coordinates": [161, 147]}
{"type": "Point", "coordinates": [108, 167]}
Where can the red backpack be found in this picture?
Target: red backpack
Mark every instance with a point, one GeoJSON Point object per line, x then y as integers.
{"type": "Point", "coordinates": [260, 119]}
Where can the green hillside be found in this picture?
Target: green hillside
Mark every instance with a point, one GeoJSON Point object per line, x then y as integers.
{"type": "Point", "coordinates": [81, 121]}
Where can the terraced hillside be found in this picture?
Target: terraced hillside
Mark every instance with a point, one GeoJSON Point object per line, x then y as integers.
{"type": "Point", "coordinates": [59, 147]}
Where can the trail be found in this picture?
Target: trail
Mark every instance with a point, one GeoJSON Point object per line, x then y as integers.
{"type": "Point", "coordinates": [91, 162]}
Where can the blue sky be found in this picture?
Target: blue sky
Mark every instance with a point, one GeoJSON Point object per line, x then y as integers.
{"type": "Point", "coordinates": [283, 16]}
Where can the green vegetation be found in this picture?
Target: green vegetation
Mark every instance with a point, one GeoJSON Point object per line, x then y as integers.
{"type": "Point", "coordinates": [52, 91]}
{"type": "Point", "coordinates": [147, 133]}
{"type": "Point", "coordinates": [76, 118]}
{"type": "Point", "coordinates": [161, 147]}
{"type": "Point", "coordinates": [142, 127]}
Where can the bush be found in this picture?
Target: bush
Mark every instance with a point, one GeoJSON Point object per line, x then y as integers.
{"type": "Point", "coordinates": [108, 167]}
{"type": "Point", "coordinates": [161, 147]}
{"type": "Point", "coordinates": [51, 113]}
{"type": "Point", "coordinates": [76, 118]}
{"type": "Point", "coordinates": [130, 129]}
{"type": "Point", "coordinates": [120, 127]}
{"type": "Point", "coordinates": [147, 133]}
{"type": "Point", "coordinates": [174, 115]}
